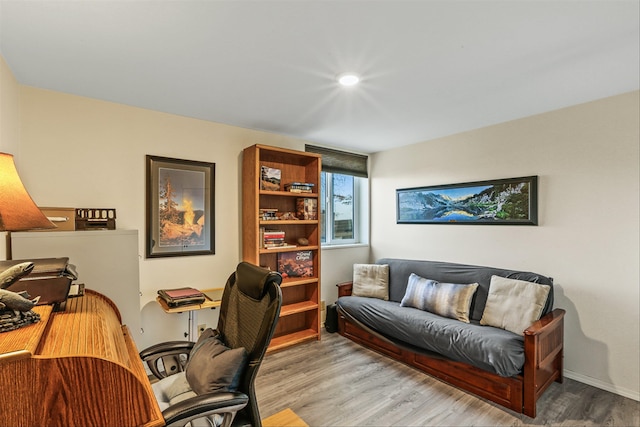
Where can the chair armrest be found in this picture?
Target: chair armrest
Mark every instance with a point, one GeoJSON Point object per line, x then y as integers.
{"type": "Point", "coordinates": [173, 355]}
{"type": "Point", "coordinates": [344, 289]}
{"type": "Point", "coordinates": [226, 404]}
{"type": "Point", "coordinates": [549, 321]}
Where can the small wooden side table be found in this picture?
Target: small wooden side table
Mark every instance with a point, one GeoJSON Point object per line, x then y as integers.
{"type": "Point", "coordinates": [213, 299]}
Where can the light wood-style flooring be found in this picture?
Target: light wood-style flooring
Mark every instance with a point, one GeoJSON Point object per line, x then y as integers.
{"type": "Point", "coordinates": [335, 382]}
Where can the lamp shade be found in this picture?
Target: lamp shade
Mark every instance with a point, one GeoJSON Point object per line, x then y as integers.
{"type": "Point", "coordinates": [18, 212]}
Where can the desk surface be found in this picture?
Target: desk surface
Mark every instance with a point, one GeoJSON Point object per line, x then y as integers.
{"type": "Point", "coordinates": [66, 369]}
{"type": "Point", "coordinates": [208, 302]}
{"type": "Point", "coordinates": [23, 342]}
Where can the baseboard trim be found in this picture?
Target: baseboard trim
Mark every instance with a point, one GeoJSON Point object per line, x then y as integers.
{"type": "Point", "coordinates": [625, 392]}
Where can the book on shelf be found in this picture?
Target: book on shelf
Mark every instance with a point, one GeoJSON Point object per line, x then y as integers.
{"type": "Point", "coordinates": [270, 238]}
{"type": "Point", "coordinates": [270, 178]}
{"type": "Point", "coordinates": [295, 264]}
{"type": "Point", "coordinates": [273, 234]}
{"type": "Point", "coordinates": [274, 243]}
{"type": "Point", "coordinates": [299, 187]}
{"type": "Point", "coordinates": [306, 208]}
{"type": "Point", "coordinates": [268, 214]}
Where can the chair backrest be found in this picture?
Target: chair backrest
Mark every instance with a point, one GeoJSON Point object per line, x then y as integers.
{"type": "Point", "coordinates": [249, 313]}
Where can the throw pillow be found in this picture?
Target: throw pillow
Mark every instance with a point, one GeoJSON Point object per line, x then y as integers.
{"type": "Point", "coordinates": [371, 280]}
{"type": "Point", "coordinates": [513, 304]}
{"type": "Point", "coordinates": [215, 367]}
{"type": "Point", "coordinates": [444, 299]}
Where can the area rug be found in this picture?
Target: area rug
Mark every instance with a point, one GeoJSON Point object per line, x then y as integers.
{"type": "Point", "coordinates": [285, 418]}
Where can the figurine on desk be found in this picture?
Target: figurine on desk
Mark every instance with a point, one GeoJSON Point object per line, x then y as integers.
{"type": "Point", "coordinates": [15, 307]}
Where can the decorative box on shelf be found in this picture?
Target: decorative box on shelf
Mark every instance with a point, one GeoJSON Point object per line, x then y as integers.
{"type": "Point", "coordinates": [95, 219]}
{"type": "Point", "coordinates": [63, 218]}
{"type": "Point", "coordinates": [307, 208]}
{"type": "Point", "coordinates": [270, 178]}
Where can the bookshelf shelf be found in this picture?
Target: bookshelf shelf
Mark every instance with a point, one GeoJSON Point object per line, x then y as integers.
{"type": "Point", "coordinates": [287, 193]}
{"type": "Point", "coordinates": [287, 249]}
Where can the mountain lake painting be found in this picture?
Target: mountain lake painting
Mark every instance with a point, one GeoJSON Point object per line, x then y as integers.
{"type": "Point", "coordinates": [506, 201]}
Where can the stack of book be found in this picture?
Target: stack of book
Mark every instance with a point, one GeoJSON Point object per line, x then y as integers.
{"type": "Point", "coordinates": [268, 214]}
{"type": "Point", "coordinates": [272, 238]}
{"type": "Point", "coordinates": [181, 296]}
{"type": "Point", "coordinates": [299, 187]}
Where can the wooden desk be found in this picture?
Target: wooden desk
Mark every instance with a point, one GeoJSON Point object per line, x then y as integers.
{"type": "Point", "coordinates": [208, 303]}
{"type": "Point", "coordinates": [76, 367]}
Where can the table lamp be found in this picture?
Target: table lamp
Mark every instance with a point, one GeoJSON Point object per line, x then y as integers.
{"type": "Point", "coordinates": [18, 212]}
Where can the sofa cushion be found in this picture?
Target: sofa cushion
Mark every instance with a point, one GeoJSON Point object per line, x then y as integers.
{"type": "Point", "coordinates": [446, 299]}
{"type": "Point", "coordinates": [371, 280]}
{"type": "Point", "coordinates": [492, 349]}
{"type": "Point", "coordinates": [513, 304]}
{"type": "Point", "coordinates": [401, 269]}
{"type": "Point", "coordinates": [213, 366]}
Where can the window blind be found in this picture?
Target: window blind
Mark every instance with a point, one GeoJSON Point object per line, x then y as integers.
{"type": "Point", "coordinates": [336, 161]}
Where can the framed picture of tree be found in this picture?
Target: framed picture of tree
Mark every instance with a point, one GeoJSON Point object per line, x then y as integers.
{"type": "Point", "coordinates": [180, 210]}
{"type": "Point", "coordinates": [512, 201]}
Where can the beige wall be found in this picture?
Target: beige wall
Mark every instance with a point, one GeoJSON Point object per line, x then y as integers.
{"type": "Point", "coordinates": [586, 158]}
{"type": "Point", "coordinates": [9, 111]}
{"type": "Point", "coordinates": [81, 152]}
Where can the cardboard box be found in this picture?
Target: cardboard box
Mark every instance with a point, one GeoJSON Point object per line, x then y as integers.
{"type": "Point", "coordinates": [63, 218]}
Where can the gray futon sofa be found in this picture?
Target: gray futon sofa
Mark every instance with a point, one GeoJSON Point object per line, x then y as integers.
{"type": "Point", "coordinates": [460, 323]}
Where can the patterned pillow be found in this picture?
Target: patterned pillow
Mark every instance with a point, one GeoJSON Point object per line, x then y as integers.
{"type": "Point", "coordinates": [371, 280]}
{"type": "Point", "coordinates": [513, 304]}
{"type": "Point", "coordinates": [444, 299]}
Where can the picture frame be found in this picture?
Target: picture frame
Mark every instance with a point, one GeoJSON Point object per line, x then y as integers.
{"type": "Point", "coordinates": [180, 207]}
{"type": "Point", "coordinates": [511, 201]}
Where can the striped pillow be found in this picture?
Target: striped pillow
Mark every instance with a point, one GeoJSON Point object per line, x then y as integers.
{"type": "Point", "coordinates": [444, 299]}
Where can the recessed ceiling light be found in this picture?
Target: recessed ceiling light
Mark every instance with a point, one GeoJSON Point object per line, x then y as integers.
{"type": "Point", "coordinates": [348, 79]}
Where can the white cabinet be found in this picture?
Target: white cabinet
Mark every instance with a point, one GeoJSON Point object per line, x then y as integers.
{"type": "Point", "coordinates": [106, 261]}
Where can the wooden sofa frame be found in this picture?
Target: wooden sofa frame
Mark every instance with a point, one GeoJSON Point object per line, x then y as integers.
{"type": "Point", "coordinates": [543, 348]}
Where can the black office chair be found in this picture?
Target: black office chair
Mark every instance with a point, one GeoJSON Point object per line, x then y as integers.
{"type": "Point", "coordinates": [249, 312]}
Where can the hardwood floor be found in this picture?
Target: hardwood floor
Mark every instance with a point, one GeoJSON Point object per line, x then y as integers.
{"type": "Point", "coordinates": [335, 382]}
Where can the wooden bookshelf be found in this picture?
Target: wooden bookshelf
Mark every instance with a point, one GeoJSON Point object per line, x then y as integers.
{"type": "Point", "coordinates": [300, 315]}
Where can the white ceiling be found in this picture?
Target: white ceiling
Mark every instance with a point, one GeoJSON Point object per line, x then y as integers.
{"type": "Point", "coordinates": [429, 68]}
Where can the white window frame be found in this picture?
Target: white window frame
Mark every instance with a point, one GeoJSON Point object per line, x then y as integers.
{"type": "Point", "coordinates": [360, 212]}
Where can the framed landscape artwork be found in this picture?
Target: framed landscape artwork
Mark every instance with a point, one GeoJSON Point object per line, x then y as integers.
{"type": "Point", "coordinates": [512, 201]}
{"type": "Point", "coordinates": [179, 207]}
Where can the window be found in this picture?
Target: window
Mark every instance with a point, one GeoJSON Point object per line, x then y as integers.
{"type": "Point", "coordinates": [339, 208]}
{"type": "Point", "coordinates": [343, 197]}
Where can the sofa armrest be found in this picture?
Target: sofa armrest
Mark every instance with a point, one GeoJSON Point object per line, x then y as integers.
{"type": "Point", "coordinates": [543, 357]}
{"type": "Point", "coordinates": [344, 289]}
{"type": "Point", "coordinates": [549, 321]}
